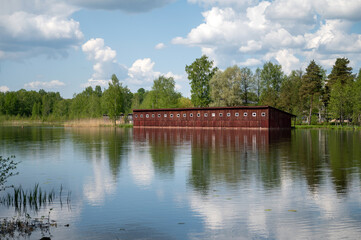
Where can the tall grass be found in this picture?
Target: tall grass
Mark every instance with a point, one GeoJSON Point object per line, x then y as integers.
{"type": "Point", "coordinates": [34, 199]}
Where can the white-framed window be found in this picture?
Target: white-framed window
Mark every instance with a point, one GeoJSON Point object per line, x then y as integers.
{"type": "Point", "coordinates": [178, 115]}
{"type": "Point", "coordinates": [206, 115]}
{"type": "Point", "coordinates": [236, 114]}
{"type": "Point", "coordinates": [184, 115]}
{"type": "Point", "coordinates": [254, 114]}
{"type": "Point", "coordinates": [228, 114]}
{"type": "Point", "coordinates": [191, 114]}
{"type": "Point", "coordinates": [153, 115]}
{"type": "Point", "coordinates": [159, 115]}
{"type": "Point", "coordinates": [141, 115]}
{"type": "Point", "coordinates": [198, 114]}
{"type": "Point", "coordinates": [263, 114]}
{"type": "Point", "coordinates": [213, 114]}
{"type": "Point", "coordinates": [221, 114]}
{"type": "Point", "coordinates": [147, 115]}
{"type": "Point", "coordinates": [245, 114]}
{"type": "Point", "coordinates": [165, 115]}
{"type": "Point", "coordinates": [136, 115]}
{"type": "Point", "coordinates": [171, 115]}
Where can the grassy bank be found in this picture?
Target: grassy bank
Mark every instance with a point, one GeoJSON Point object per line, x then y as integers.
{"type": "Point", "coordinates": [93, 122]}
{"type": "Point", "coordinates": [328, 126]}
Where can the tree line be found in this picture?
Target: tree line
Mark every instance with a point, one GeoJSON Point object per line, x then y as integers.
{"type": "Point", "coordinates": [311, 95]}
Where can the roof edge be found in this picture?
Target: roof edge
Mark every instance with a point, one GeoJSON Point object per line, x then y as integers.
{"type": "Point", "coordinates": [209, 108]}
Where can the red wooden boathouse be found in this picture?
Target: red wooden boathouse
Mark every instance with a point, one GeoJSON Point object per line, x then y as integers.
{"type": "Point", "coordinates": [218, 117]}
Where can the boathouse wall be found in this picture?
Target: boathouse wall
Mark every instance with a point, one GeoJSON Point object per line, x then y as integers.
{"type": "Point", "coordinates": [216, 117]}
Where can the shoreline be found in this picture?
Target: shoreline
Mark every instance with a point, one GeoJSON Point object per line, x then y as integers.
{"type": "Point", "coordinates": [90, 122]}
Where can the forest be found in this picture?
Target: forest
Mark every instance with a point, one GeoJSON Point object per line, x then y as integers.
{"type": "Point", "coordinates": [312, 95]}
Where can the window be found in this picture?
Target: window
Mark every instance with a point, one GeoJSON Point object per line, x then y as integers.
{"type": "Point", "coordinates": [136, 115]}
{"type": "Point", "coordinates": [171, 115]}
{"type": "Point", "coordinates": [245, 114]}
{"type": "Point", "coordinates": [153, 115]}
{"type": "Point", "coordinates": [254, 114]}
{"type": "Point", "coordinates": [263, 114]}
{"type": "Point", "coordinates": [198, 114]}
{"type": "Point", "coordinates": [221, 114]}
{"type": "Point", "coordinates": [236, 114]}
{"type": "Point", "coordinates": [191, 115]}
{"type": "Point", "coordinates": [165, 115]}
{"type": "Point", "coordinates": [159, 115]}
{"type": "Point", "coordinates": [228, 114]}
{"type": "Point", "coordinates": [184, 115]}
{"type": "Point", "coordinates": [147, 115]}
{"type": "Point", "coordinates": [206, 114]}
{"type": "Point", "coordinates": [213, 114]}
{"type": "Point", "coordinates": [178, 115]}
{"type": "Point", "coordinates": [141, 115]}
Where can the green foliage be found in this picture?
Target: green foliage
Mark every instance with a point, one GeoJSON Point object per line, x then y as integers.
{"type": "Point", "coordinates": [116, 99]}
{"type": "Point", "coordinates": [289, 96]}
{"type": "Point", "coordinates": [247, 84]}
{"type": "Point", "coordinates": [341, 73]}
{"type": "Point", "coordinates": [184, 102]}
{"type": "Point", "coordinates": [271, 81]}
{"type": "Point", "coordinates": [341, 101]}
{"type": "Point", "coordinates": [162, 95]}
{"type": "Point", "coordinates": [200, 72]}
{"type": "Point", "coordinates": [138, 98]}
{"type": "Point", "coordinates": [311, 85]}
{"type": "Point", "coordinates": [226, 87]}
{"type": "Point", "coordinates": [340, 83]}
{"type": "Point", "coordinates": [7, 167]}
{"type": "Point", "coordinates": [357, 100]}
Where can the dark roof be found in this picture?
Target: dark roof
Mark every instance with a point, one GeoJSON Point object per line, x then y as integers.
{"type": "Point", "coordinates": [210, 108]}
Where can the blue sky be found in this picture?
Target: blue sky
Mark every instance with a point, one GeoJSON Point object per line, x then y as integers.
{"type": "Point", "coordinates": [65, 46]}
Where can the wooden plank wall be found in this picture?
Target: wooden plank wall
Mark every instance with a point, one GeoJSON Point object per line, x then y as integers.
{"type": "Point", "coordinates": [254, 118]}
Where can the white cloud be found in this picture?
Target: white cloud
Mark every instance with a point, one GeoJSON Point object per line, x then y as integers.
{"type": "Point", "coordinates": [142, 70]}
{"type": "Point", "coordinates": [291, 32]}
{"type": "Point", "coordinates": [224, 3]}
{"type": "Point", "coordinates": [251, 46]}
{"type": "Point", "coordinates": [250, 62]}
{"type": "Point", "coordinates": [124, 5]}
{"type": "Point", "coordinates": [105, 63]}
{"type": "Point", "coordinates": [30, 28]}
{"type": "Point", "coordinates": [44, 85]}
{"type": "Point", "coordinates": [4, 89]}
{"type": "Point", "coordinates": [159, 46]}
{"type": "Point", "coordinates": [288, 60]}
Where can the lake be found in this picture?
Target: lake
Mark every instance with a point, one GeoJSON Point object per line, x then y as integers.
{"type": "Point", "coordinates": [191, 183]}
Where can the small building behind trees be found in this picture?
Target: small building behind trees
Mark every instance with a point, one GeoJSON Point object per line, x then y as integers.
{"type": "Point", "coordinates": [213, 117]}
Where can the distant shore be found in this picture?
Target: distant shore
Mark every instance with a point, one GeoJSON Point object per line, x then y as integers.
{"type": "Point", "coordinates": [91, 122]}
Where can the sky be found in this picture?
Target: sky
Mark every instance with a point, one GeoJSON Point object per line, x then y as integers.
{"type": "Point", "coordinates": [68, 45]}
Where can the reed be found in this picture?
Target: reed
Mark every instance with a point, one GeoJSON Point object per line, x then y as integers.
{"type": "Point", "coordinates": [34, 199]}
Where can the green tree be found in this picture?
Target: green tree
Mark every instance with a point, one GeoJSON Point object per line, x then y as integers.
{"type": "Point", "coordinates": [114, 98]}
{"type": "Point", "coordinates": [341, 101]}
{"type": "Point", "coordinates": [11, 104]}
{"type": "Point", "coordinates": [35, 112]}
{"type": "Point", "coordinates": [340, 82]}
{"type": "Point", "coordinates": [185, 102]}
{"type": "Point", "coordinates": [200, 72]}
{"type": "Point", "coordinates": [226, 87]}
{"type": "Point", "coordinates": [289, 96]}
{"type": "Point", "coordinates": [311, 85]}
{"type": "Point", "coordinates": [257, 84]}
{"type": "Point", "coordinates": [357, 100]}
{"type": "Point", "coordinates": [341, 72]}
{"type": "Point", "coordinates": [247, 84]}
{"type": "Point", "coordinates": [271, 77]}
{"type": "Point", "coordinates": [162, 95]}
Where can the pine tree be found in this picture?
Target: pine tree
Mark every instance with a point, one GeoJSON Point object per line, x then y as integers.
{"type": "Point", "coordinates": [311, 85]}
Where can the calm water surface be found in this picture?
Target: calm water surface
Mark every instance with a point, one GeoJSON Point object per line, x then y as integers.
{"type": "Point", "coordinates": [192, 184]}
